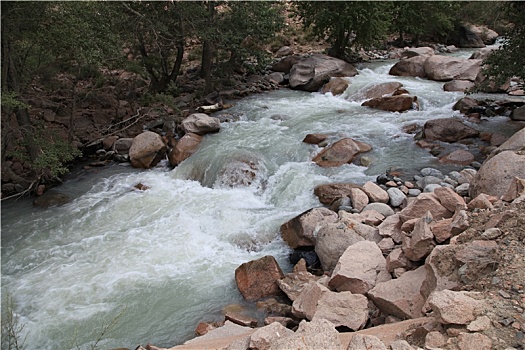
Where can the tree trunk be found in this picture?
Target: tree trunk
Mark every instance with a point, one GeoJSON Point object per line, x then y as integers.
{"type": "Point", "coordinates": [206, 64]}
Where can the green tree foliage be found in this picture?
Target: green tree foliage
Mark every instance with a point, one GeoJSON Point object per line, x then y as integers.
{"type": "Point", "coordinates": [434, 19]}
{"type": "Point", "coordinates": [507, 61]}
{"type": "Point", "coordinates": [346, 24]}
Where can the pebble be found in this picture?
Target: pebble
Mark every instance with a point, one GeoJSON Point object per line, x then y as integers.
{"type": "Point", "coordinates": [504, 294]}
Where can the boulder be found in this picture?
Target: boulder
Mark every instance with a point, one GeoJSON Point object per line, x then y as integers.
{"type": "Point", "coordinates": [341, 152]}
{"type": "Point", "coordinates": [468, 38]}
{"type": "Point", "coordinates": [147, 150]}
{"type": "Point", "coordinates": [122, 146]}
{"type": "Point", "coordinates": [365, 342]}
{"type": "Point", "coordinates": [482, 53]}
{"type": "Point", "coordinates": [262, 337]}
{"type": "Point", "coordinates": [518, 114]}
{"type": "Point", "coordinates": [397, 197]}
{"type": "Point", "coordinates": [380, 90]}
{"type": "Point", "coordinates": [300, 231]}
{"type": "Point", "coordinates": [450, 199]}
{"type": "Point", "coordinates": [474, 341]}
{"type": "Point", "coordinates": [359, 269]}
{"type": "Point", "coordinates": [487, 35]}
{"type": "Point", "coordinates": [284, 51]}
{"type": "Point", "coordinates": [358, 198]}
{"type": "Point", "coordinates": [515, 143]}
{"type": "Point", "coordinates": [369, 233]}
{"type": "Point", "coordinates": [401, 297]}
{"type": "Point", "coordinates": [417, 51]}
{"type": "Point", "coordinates": [496, 175]}
{"type": "Point", "coordinates": [412, 67]}
{"type": "Point", "coordinates": [465, 104]}
{"type": "Point", "coordinates": [397, 259]}
{"type": "Point", "coordinates": [332, 241]}
{"type": "Point", "coordinates": [458, 85]}
{"type": "Point", "coordinates": [294, 283]}
{"type": "Point", "coordinates": [329, 193]}
{"type": "Point", "coordinates": [391, 227]}
{"type": "Point", "coordinates": [382, 208]}
{"type": "Point", "coordinates": [399, 103]}
{"type": "Point", "coordinates": [311, 73]}
{"type": "Point", "coordinates": [457, 157]}
{"type": "Point", "coordinates": [184, 148]}
{"type": "Point", "coordinates": [336, 86]}
{"type": "Point", "coordinates": [257, 279]}
{"type": "Point", "coordinates": [200, 124]}
{"type": "Point", "coordinates": [421, 205]}
{"type": "Point", "coordinates": [343, 309]}
{"type": "Point", "coordinates": [305, 304]}
{"type": "Point", "coordinates": [452, 307]}
{"type": "Point", "coordinates": [315, 335]}
{"type": "Point", "coordinates": [448, 130]}
{"type": "Point", "coordinates": [445, 68]}
{"type": "Point", "coordinates": [375, 193]}
{"type": "Point", "coordinates": [420, 242]}
{"type": "Point", "coordinates": [314, 139]}
{"type": "Point", "coordinates": [285, 64]}
{"type": "Point", "coordinates": [275, 77]}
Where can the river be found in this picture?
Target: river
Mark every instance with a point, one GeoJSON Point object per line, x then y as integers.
{"type": "Point", "coordinates": [163, 259]}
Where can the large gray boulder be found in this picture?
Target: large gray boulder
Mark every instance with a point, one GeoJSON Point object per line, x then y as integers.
{"type": "Point", "coordinates": [201, 124]}
{"type": "Point", "coordinates": [146, 150]}
{"type": "Point", "coordinates": [418, 51]}
{"type": "Point", "coordinates": [469, 38]}
{"type": "Point", "coordinates": [445, 68]}
{"type": "Point", "coordinates": [487, 35]}
{"type": "Point", "coordinates": [311, 73]}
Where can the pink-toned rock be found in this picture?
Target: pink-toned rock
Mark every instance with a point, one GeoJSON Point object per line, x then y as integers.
{"type": "Point", "coordinates": [372, 217]}
{"type": "Point", "coordinates": [380, 90]}
{"type": "Point", "coordinates": [359, 269]}
{"type": "Point", "coordinates": [399, 103]}
{"type": "Point", "coordinates": [146, 150]}
{"type": "Point", "coordinates": [332, 241]}
{"type": "Point", "coordinates": [448, 130]}
{"type": "Point", "coordinates": [205, 327]}
{"type": "Point", "coordinates": [442, 269]}
{"type": "Point", "coordinates": [482, 201]}
{"type": "Point", "coordinates": [305, 305]}
{"type": "Point", "coordinates": [450, 199]}
{"type": "Point", "coordinates": [240, 319]}
{"type": "Point", "coordinates": [418, 51]}
{"type": "Point", "coordinates": [435, 339]}
{"type": "Point", "coordinates": [458, 85]}
{"type": "Point", "coordinates": [516, 189]}
{"type": "Point", "coordinates": [411, 67]}
{"type": "Point", "coordinates": [365, 342]}
{"type": "Point", "coordinates": [341, 152]}
{"type": "Point", "coordinates": [315, 335]}
{"type": "Point", "coordinates": [299, 231]}
{"type": "Point", "coordinates": [200, 124]}
{"type": "Point", "coordinates": [474, 341]}
{"type": "Point", "coordinates": [315, 139]}
{"type": "Point", "coordinates": [480, 324]}
{"type": "Point", "coordinates": [452, 307]}
{"type": "Point", "coordinates": [258, 278]}
{"type": "Point", "coordinates": [108, 142]}
{"type": "Point", "coordinates": [444, 68]}
{"type": "Point", "coordinates": [359, 198]}
{"type": "Point", "coordinates": [458, 157]}
{"type": "Point", "coordinates": [386, 245]}
{"type": "Point", "coordinates": [329, 193]}
{"type": "Point", "coordinates": [401, 297]}
{"type": "Point", "coordinates": [497, 173]}
{"type": "Point", "coordinates": [369, 233]}
{"type": "Point", "coordinates": [336, 86]}
{"type": "Point", "coordinates": [184, 148]}
{"type": "Point", "coordinates": [397, 259]}
{"type": "Point", "coordinates": [375, 193]}
{"type": "Point", "coordinates": [294, 283]}
{"type": "Point", "coordinates": [391, 227]}
{"type": "Point", "coordinates": [263, 337]}
{"type": "Point", "coordinates": [423, 203]}
{"type": "Point", "coordinates": [442, 230]}
{"type": "Point", "coordinates": [343, 309]}
{"type": "Point", "coordinates": [420, 242]}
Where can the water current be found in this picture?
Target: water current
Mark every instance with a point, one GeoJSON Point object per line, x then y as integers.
{"type": "Point", "coordinates": [164, 259]}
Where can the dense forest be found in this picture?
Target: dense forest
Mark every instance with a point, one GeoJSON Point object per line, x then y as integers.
{"type": "Point", "coordinates": [61, 56]}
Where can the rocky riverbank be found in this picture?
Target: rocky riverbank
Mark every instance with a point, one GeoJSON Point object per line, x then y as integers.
{"type": "Point", "coordinates": [450, 259]}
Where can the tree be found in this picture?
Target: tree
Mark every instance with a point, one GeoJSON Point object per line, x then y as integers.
{"type": "Point", "coordinates": [160, 30]}
{"type": "Point", "coordinates": [348, 24]}
{"type": "Point", "coordinates": [507, 61]}
{"type": "Point", "coordinates": [424, 18]}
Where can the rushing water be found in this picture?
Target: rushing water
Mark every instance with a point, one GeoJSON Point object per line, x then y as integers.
{"type": "Point", "coordinates": [164, 259]}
